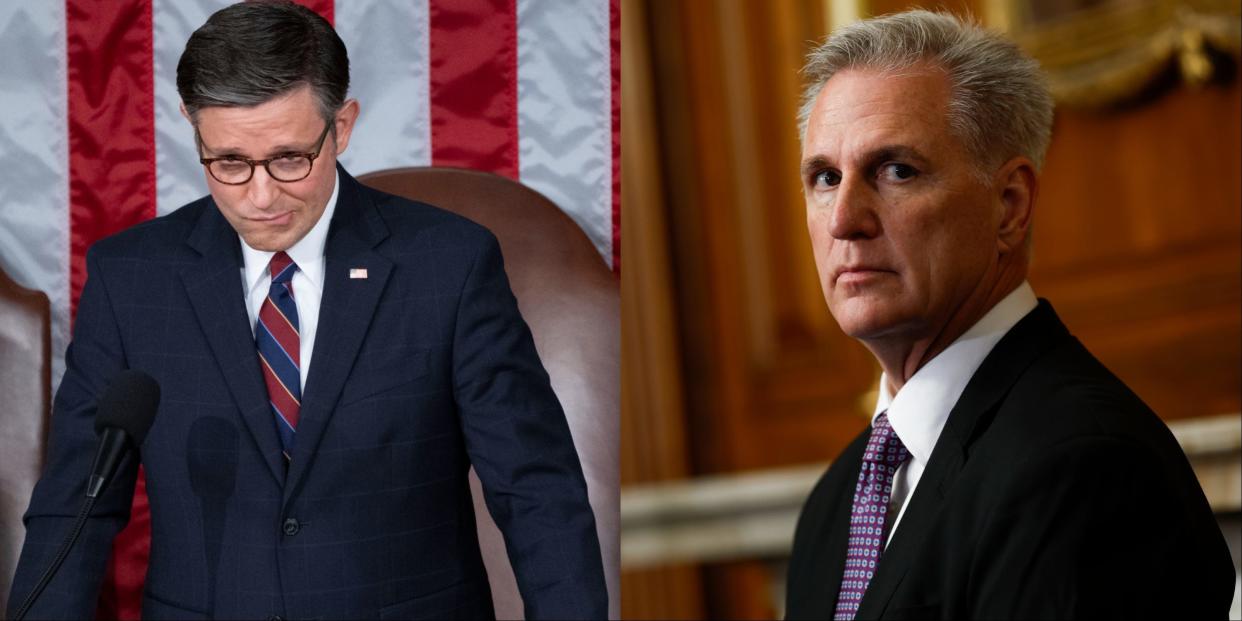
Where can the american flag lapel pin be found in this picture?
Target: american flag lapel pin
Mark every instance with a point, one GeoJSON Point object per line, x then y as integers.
{"type": "Point", "coordinates": [358, 273]}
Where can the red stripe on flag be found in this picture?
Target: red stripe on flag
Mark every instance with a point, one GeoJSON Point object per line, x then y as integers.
{"type": "Point", "coordinates": [120, 596]}
{"type": "Point", "coordinates": [614, 22]}
{"type": "Point", "coordinates": [473, 86]}
{"type": "Point", "coordinates": [111, 119]}
{"type": "Point", "coordinates": [111, 124]}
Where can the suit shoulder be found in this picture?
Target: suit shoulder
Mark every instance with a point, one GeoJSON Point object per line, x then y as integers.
{"type": "Point", "coordinates": [1076, 389]}
{"type": "Point", "coordinates": [1067, 396]}
{"type": "Point", "coordinates": [161, 236]}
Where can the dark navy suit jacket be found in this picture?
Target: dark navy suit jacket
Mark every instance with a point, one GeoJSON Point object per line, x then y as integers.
{"type": "Point", "coordinates": [419, 371]}
{"type": "Point", "coordinates": [1052, 493]}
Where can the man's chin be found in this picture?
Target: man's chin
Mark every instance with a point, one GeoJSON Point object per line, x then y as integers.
{"type": "Point", "coordinates": [865, 319]}
{"type": "Point", "coordinates": [269, 243]}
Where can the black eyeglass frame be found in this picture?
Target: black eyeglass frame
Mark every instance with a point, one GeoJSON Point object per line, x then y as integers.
{"type": "Point", "coordinates": [207, 161]}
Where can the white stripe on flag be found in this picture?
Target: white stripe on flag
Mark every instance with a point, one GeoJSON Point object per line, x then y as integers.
{"type": "Point", "coordinates": [565, 110]}
{"type": "Point", "coordinates": [34, 158]}
{"type": "Point", "coordinates": [178, 175]}
{"type": "Point", "coordinates": [388, 45]}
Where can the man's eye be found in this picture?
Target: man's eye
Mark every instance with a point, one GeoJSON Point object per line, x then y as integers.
{"type": "Point", "coordinates": [898, 172]}
{"type": "Point", "coordinates": [826, 179]}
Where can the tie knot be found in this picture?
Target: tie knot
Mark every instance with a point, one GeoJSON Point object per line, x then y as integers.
{"type": "Point", "coordinates": [281, 268]}
{"type": "Point", "coordinates": [884, 447]}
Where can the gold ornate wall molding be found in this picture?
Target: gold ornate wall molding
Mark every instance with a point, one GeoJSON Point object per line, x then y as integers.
{"type": "Point", "coordinates": [1104, 52]}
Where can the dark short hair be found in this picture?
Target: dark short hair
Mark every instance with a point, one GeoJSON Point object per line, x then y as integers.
{"type": "Point", "coordinates": [252, 52]}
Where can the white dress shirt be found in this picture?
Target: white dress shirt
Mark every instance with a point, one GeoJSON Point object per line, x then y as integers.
{"type": "Point", "coordinates": [919, 410]}
{"type": "Point", "coordinates": [307, 253]}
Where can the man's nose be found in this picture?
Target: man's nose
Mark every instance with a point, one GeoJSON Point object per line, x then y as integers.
{"type": "Point", "coordinates": [853, 214]}
{"type": "Point", "coordinates": [262, 189]}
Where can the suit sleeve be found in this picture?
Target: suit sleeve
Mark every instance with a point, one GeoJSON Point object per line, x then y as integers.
{"type": "Point", "coordinates": [520, 445]}
{"type": "Point", "coordinates": [1099, 528]}
{"type": "Point", "coordinates": [94, 357]}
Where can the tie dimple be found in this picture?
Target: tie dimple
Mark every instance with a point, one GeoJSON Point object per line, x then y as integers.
{"type": "Point", "coordinates": [869, 517]}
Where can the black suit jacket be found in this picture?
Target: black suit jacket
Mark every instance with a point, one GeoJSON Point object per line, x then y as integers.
{"type": "Point", "coordinates": [1053, 492]}
{"type": "Point", "coordinates": [420, 370]}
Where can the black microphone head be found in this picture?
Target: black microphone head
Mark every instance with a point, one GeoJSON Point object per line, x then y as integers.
{"type": "Point", "coordinates": [129, 404]}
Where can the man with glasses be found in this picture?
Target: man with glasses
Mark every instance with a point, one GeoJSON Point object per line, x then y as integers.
{"type": "Point", "coordinates": [289, 167]}
{"type": "Point", "coordinates": [332, 360]}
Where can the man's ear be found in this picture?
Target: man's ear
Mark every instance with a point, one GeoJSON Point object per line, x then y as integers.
{"type": "Point", "coordinates": [1017, 185]}
{"type": "Point", "coordinates": [344, 120]}
{"type": "Point", "coordinates": [185, 113]}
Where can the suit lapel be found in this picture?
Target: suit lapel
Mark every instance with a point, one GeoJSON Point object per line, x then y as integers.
{"type": "Point", "coordinates": [839, 539]}
{"type": "Point", "coordinates": [1024, 343]}
{"type": "Point", "coordinates": [924, 506]}
{"type": "Point", "coordinates": [214, 286]}
{"type": "Point", "coordinates": [345, 315]}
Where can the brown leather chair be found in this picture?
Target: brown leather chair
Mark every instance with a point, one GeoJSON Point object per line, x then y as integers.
{"type": "Point", "coordinates": [25, 386]}
{"type": "Point", "coordinates": [571, 300]}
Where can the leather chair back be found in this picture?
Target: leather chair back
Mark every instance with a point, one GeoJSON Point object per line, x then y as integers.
{"type": "Point", "coordinates": [25, 388]}
{"type": "Point", "coordinates": [571, 300]}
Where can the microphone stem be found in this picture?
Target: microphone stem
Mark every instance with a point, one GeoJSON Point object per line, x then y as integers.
{"type": "Point", "coordinates": [61, 555]}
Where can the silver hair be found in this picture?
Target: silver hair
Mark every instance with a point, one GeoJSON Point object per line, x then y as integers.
{"type": "Point", "coordinates": [1000, 105]}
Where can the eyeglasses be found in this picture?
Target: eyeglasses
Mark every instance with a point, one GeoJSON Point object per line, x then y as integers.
{"type": "Point", "coordinates": [286, 167]}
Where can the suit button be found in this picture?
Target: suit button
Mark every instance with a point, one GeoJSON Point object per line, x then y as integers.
{"type": "Point", "coordinates": [291, 527]}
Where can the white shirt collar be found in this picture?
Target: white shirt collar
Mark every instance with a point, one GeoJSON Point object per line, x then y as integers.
{"type": "Point", "coordinates": [919, 410]}
{"type": "Point", "coordinates": [307, 253]}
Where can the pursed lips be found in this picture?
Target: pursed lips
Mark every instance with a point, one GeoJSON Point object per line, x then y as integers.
{"type": "Point", "coordinates": [858, 272]}
{"type": "Point", "coordinates": [279, 216]}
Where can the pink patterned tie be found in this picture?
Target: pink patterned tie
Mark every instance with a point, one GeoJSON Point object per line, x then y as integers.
{"type": "Point", "coordinates": [868, 519]}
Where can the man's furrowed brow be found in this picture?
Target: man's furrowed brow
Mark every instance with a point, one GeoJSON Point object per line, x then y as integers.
{"type": "Point", "coordinates": [891, 152]}
{"type": "Point", "coordinates": [813, 164]}
{"type": "Point", "coordinates": [217, 152]}
{"type": "Point", "coordinates": [870, 158]}
{"type": "Point", "coordinates": [238, 152]}
{"type": "Point", "coordinates": [282, 149]}
{"type": "Point", "coordinates": [227, 152]}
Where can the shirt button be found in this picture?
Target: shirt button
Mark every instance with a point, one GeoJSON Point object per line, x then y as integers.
{"type": "Point", "coordinates": [291, 527]}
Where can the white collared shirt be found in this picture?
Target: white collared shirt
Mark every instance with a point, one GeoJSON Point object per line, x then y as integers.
{"type": "Point", "coordinates": [919, 410]}
{"type": "Point", "coordinates": [307, 253]}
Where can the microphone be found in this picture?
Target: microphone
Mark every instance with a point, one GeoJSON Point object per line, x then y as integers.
{"type": "Point", "coordinates": [123, 417]}
{"type": "Point", "coordinates": [122, 420]}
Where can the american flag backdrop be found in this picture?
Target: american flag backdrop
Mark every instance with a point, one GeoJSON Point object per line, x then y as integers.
{"type": "Point", "coordinates": [92, 142]}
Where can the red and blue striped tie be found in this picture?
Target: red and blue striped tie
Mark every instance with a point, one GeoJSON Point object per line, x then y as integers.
{"type": "Point", "coordinates": [276, 335]}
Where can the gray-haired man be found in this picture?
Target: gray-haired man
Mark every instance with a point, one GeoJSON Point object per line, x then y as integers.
{"type": "Point", "coordinates": [1006, 473]}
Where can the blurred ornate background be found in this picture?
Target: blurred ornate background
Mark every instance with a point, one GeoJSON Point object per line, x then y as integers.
{"type": "Point", "coordinates": [738, 385]}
